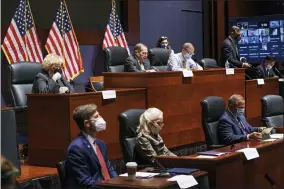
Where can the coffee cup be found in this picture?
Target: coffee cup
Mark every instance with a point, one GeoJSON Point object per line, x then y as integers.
{"type": "Point", "coordinates": [131, 170]}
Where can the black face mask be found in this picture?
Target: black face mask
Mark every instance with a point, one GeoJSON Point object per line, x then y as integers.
{"type": "Point", "coordinates": [238, 38]}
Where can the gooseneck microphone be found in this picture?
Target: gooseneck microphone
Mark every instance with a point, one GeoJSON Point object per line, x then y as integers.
{"type": "Point", "coordinates": [278, 72]}
{"type": "Point", "coordinates": [158, 60]}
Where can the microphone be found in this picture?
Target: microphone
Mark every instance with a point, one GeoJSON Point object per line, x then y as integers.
{"type": "Point", "coordinates": [237, 67]}
{"type": "Point", "coordinates": [271, 181]}
{"type": "Point", "coordinates": [72, 82]}
{"type": "Point", "coordinates": [278, 72]}
{"type": "Point", "coordinates": [157, 58]}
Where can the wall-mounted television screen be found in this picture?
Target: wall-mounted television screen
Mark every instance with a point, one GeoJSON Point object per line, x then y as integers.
{"type": "Point", "coordinates": [261, 36]}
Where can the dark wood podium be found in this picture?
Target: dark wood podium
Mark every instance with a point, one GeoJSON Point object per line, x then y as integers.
{"type": "Point", "coordinates": [254, 93]}
{"type": "Point", "coordinates": [179, 98]}
{"type": "Point", "coordinates": [234, 171]}
{"type": "Point", "coordinates": [51, 126]}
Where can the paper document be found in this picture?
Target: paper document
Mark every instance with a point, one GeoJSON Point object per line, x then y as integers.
{"type": "Point", "coordinates": [141, 174]}
{"type": "Point", "coordinates": [266, 130]}
{"type": "Point", "coordinates": [109, 94]}
{"type": "Point", "coordinates": [277, 136]}
{"type": "Point", "coordinates": [250, 153]}
{"type": "Point", "coordinates": [204, 156]}
{"type": "Point", "coordinates": [184, 181]}
{"type": "Point", "coordinates": [269, 140]}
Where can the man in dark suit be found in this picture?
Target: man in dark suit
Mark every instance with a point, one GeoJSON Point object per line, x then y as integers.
{"type": "Point", "coordinates": [87, 162]}
{"type": "Point", "coordinates": [265, 70]}
{"type": "Point", "coordinates": [230, 52]}
{"type": "Point", "coordinates": [138, 61]}
{"type": "Point", "coordinates": [233, 127]}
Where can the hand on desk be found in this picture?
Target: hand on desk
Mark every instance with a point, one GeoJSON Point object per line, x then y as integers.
{"type": "Point", "coordinates": [246, 65]}
{"type": "Point", "coordinates": [254, 136]}
{"type": "Point", "coordinates": [63, 90]}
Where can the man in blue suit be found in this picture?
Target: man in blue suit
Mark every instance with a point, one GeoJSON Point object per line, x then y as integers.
{"type": "Point", "coordinates": [87, 161]}
{"type": "Point", "coordinates": [233, 127]}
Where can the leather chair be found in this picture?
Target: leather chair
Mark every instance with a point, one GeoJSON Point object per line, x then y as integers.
{"type": "Point", "coordinates": [61, 172]}
{"type": "Point", "coordinates": [212, 109]}
{"type": "Point", "coordinates": [208, 63]}
{"type": "Point", "coordinates": [97, 83]}
{"type": "Point", "coordinates": [272, 113]}
{"type": "Point", "coordinates": [114, 59]}
{"type": "Point", "coordinates": [20, 81]}
{"type": "Point", "coordinates": [128, 123]}
{"type": "Point", "coordinates": [159, 58]}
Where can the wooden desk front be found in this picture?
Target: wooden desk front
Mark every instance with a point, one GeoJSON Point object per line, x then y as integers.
{"type": "Point", "coordinates": [33, 172]}
{"type": "Point", "coordinates": [51, 126]}
{"type": "Point", "coordinates": [254, 93]}
{"type": "Point", "coordinates": [179, 98]}
{"type": "Point", "coordinates": [234, 171]}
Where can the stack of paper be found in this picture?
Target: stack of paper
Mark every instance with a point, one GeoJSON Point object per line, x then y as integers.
{"type": "Point", "coordinates": [141, 174]}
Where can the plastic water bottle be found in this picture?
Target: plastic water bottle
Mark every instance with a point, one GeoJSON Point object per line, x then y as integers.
{"type": "Point", "coordinates": [227, 64]}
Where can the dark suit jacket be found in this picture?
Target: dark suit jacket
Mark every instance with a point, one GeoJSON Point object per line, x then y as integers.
{"type": "Point", "coordinates": [229, 129]}
{"type": "Point", "coordinates": [44, 84]}
{"type": "Point", "coordinates": [82, 167]}
{"type": "Point", "coordinates": [262, 73]}
{"type": "Point", "coordinates": [132, 65]}
{"type": "Point", "coordinates": [229, 52]}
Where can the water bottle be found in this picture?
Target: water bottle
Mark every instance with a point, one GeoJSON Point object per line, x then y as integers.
{"type": "Point", "coordinates": [227, 64]}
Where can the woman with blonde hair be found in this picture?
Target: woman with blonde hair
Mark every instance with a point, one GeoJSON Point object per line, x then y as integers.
{"type": "Point", "coordinates": [149, 142]}
{"type": "Point", "coordinates": [50, 80]}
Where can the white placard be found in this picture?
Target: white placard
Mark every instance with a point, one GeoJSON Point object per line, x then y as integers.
{"type": "Point", "coordinates": [281, 79]}
{"type": "Point", "coordinates": [187, 73]}
{"type": "Point", "coordinates": [230, 71]}
{"type": "Point", "coordinates": [260, 81]}
{"type": "Point", "coordinates": [250, 153]}
{"type": "Point", "coordinates": [109, 94]}
{"type": "Point", "coordinates": [184, 181]}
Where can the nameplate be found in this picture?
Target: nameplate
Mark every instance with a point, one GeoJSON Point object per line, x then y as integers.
{"type": "Point", "coordinates": [281, 79]}
{"type": "Point", "coordinates": [260, 81]}
{"type": "Point", "coordinates": [109, 94]}
{"type": "Point", "coordinates": [187, 73]}
{"type": "Point", "coordinates": [250, 153]}
{"type": "Point", "coordinates": [230, 71]}
{"type": "Point", "coordinates": [184, 181]}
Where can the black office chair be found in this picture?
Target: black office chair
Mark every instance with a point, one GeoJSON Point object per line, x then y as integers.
{"type": "Point", "coordinates": [208, 63]}
{"type": "Point", "coordinates": [212, 109]}
{"type": "Point", "coordinates": [272, 113]}
{"type": "Point", "coordinates": [128, 123]}
{"type": "Point", "coordinates": [159, 58]}
{"type": "Point", "coordinates": [20, 77]}
{"type": "Point", "coordinates": [97, 83]}
{"type": "Point", "coordinates": [61, 172]}
{"type": "Point", "coordinates": [114, 59]}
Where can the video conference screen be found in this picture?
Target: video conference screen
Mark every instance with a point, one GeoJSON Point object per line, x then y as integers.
{"type": "Point", "coordinates": [261, 36]}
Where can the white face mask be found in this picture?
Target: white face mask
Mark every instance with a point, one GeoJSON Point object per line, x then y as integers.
{"type": "Point", "coordinates": [269, 66]}
{"type": "Point", "coordinates": [100, 124]}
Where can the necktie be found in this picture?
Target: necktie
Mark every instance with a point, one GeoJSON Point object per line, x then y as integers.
{"type": "Point", "coordinates": [242, 126]}
{"type": "Point", "coordinates": [102, 162]}
{"type": "Point", "coordinates": [184, 64]}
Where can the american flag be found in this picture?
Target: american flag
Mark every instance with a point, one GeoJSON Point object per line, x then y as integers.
{"type": "Point", "coordinates": [114, 35]}
{"type": "Point", "coordinates": [21, 42]}
{"type": "Point", "coordinates": [63, 42]}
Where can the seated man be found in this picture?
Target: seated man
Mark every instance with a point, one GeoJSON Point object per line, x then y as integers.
{"type": "Point", "coordinates": [265, 70]}
{"type": "Point", "coordinates": [183, 60]}
{"type": "Point", "coordinates": [233, 127]}
{"type": "Point", "coordinates": [149, 142]}
{"type": "Point", "coordinates": [50, 80]}
{"type": "Point", "coordinates": [87, 161]}
{"type": "Point", "coordinates": [138, 61]}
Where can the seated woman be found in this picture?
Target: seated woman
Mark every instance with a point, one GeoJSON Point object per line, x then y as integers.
{"type": "Point", "coordinates": [50, 80]}
{"type": "Point", "coordinates": [165, 44]}
{"type": "Point", "coordinates": [149, 142]}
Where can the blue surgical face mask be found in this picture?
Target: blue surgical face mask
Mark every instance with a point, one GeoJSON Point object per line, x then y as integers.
{"type": "Point", "coordinates": [187, 56]}
{"type": "Point", "coordinates": [240, 111]}
{"type": "Point", "coordinates": [165, 45]}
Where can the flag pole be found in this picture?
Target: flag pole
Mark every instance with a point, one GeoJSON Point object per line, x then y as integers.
{"type": "Point", "coordinates": [113, 7]}
{"type": "Point", "coordinates": [78, 47]}
{"type": "Point", "coordinates": [26, 53]}
{"type": "Point", "coordinates": [62, 33]}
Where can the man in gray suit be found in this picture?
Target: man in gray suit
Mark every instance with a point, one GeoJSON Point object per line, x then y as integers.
{"type": "Point", "coordinates": [138, 61]}
{"type": "Point", "coordinates": [229, 50]}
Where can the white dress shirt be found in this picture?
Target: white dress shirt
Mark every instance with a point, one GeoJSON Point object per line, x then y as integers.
{"type": "Point", "coordinates": [175, 63]}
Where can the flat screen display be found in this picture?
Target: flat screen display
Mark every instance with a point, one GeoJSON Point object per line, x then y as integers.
{"type": "Point", "coordinates": [261, 36]}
